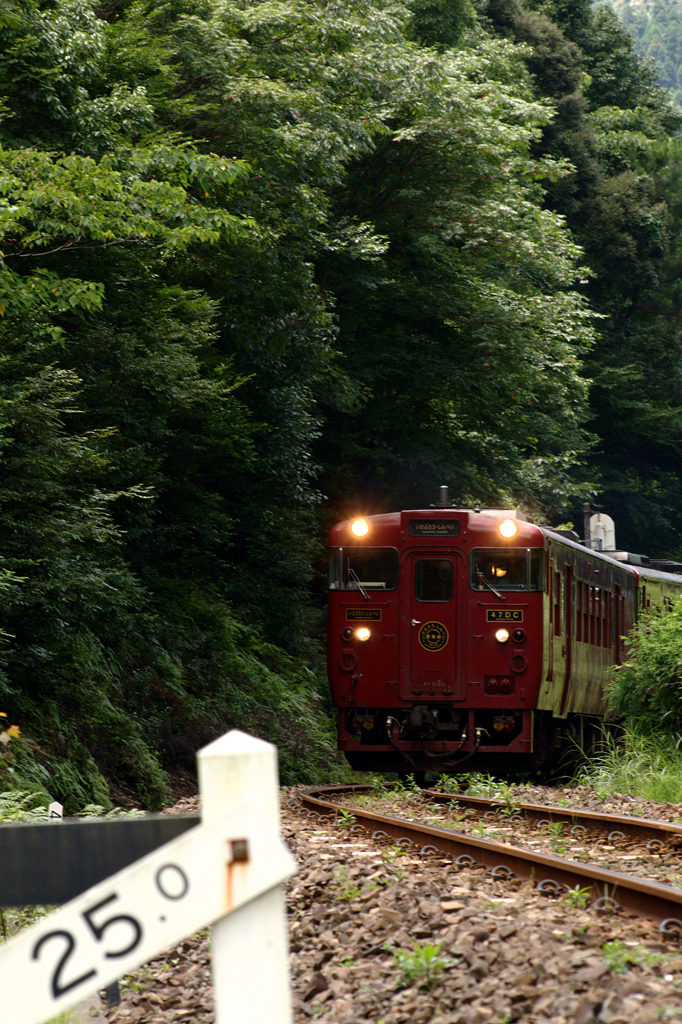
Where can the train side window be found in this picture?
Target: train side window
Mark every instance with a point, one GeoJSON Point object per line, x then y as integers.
{"type": "Point", "coordinates": [335, 568]}
{"type": "Point", "coordinates": [579, 611]}
{"type": "Point", "coordinates": [363, 569]}
{"type": "Point", "coordinates": [597, 616]}
{"type": "Point", "coordinates": [557, 604]}
{"type": "Point", "coordinates": [568, 604]}
{"type": "Point", "coordinates": [537, 562]}
{"type": "Point", "coordinates": [433, 580]}
{"type": "Point", "coordinates": [586, 613]}
{"type": "Point", "coordinates": [507, 568]}
{"type": "Point", "coordinates": [620, 623]}
{"type": "Point", "coordinates": [593, 610]}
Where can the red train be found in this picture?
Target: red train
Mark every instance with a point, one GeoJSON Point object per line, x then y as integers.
{"type": "Point", "coordinates": [460, 636]}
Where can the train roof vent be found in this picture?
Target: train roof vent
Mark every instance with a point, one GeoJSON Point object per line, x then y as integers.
{"type": "Point", "coordinates": [629, 558]}
{"type": "Point", "coordinates": [666, 565]}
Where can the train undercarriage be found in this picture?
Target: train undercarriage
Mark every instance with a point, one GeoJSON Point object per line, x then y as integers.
{"type": "Point", "coordinates": [444, 739]}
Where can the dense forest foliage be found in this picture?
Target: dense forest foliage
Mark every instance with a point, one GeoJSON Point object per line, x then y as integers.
{"type": "Point", "coordinates": [266, 264]}
{"type": "Point", "coordinates": [656, 27]}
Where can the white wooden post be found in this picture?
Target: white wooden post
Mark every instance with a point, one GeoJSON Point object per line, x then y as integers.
{"type": "Point", "coordinates": [250, 945]}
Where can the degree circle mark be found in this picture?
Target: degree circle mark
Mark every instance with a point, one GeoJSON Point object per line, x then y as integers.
{"type": "Point", "coordinates": [172, 882]}
{"type": "Point", "coordinates": [433, 636]}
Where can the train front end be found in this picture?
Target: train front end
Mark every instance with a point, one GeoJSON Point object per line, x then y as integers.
{"type": "Point", "coordinates": [435, 639]}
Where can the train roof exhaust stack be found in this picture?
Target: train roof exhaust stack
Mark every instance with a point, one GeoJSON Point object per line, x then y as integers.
{"type": "Point", "coordinates": [443, 496]}
{"type": "Point", "coordinates": [602, 533]}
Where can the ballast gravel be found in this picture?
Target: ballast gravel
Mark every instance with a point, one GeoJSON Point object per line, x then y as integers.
{"type": "Point", "coordinates": [360, 912]}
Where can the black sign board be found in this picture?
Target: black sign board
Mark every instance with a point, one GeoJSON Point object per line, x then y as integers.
{"type": "Point", "coordinates": [504, 615]}
{"type": "Point", "coordinates": [51, 862]}
{"type": "Point", "coordinates": [363, 614]}
{"type": "Point", "coordinates": [433, 528]}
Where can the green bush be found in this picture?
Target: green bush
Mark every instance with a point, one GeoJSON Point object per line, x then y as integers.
{"type": "Point", "coordinates": [647, 689]}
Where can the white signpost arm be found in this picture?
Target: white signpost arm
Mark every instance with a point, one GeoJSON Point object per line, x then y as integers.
{"type": "Point", "coordinates": [250, 946]}
{"type": "Point", "coordinates": [233, 859]}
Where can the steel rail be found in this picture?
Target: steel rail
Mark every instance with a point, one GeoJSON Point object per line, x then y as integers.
{"type": "Point", "coordinates": [634, 828]}
{"type": "Point", "coordinates": [610, 889]}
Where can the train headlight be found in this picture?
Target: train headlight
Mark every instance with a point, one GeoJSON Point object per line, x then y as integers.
{"type": "Point", "coordinates": [508, 528]}
{"type": "Point", "coordinates": [359, 527]}
{"type": "Point", "coordinates": [502, 635]}
{"type": "Point", "coordinates": [363, 633]}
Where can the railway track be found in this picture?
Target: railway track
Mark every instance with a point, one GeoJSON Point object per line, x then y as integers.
{"type": "Point", "coordinates": [610, 891]}
{"type": "Point", "coordinates": [630, 827]}
{"type": "Point", "coordinates": [356, 913]}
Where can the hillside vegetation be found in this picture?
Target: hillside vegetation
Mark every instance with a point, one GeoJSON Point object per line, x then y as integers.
{"type": "Point", "coordinates": [656, 27]}
{"type": "Point", "coordinates": [266, 264]}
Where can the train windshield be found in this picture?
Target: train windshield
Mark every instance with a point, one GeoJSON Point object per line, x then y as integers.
{"type": "Point", "coordinates": [507, 568]}
{"type": "Point", "coordinates": [363, 569]}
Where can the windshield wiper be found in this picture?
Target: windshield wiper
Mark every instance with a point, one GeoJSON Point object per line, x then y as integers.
{"type": "Point", "coordinates": [489, 585]}
{"type": "Point", "coordinates": [352, 575]}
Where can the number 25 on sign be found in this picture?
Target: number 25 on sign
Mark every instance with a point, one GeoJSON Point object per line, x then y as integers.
{"type": "Point", "coordinates": [132, 925]}
{"type": "Point", "coordinates": [137, 913]}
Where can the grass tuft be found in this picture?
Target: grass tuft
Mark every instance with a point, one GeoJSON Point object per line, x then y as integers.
{"type": "Point", "coordinates": [645, 766]}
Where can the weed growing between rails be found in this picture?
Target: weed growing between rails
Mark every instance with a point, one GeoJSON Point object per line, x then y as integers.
{"type": "Point", "coordinates": [479, 784]}
{"type": "Point", "coordinates": [557, 840]}
{"type": "Point", "coordinates": [639, 764]}
{"type": "Point", "coordinates": [344, 818]}
{"type": "Point", "coordinates": [577, 896]}
{"type": "Point", "coordinates": [422, 964]}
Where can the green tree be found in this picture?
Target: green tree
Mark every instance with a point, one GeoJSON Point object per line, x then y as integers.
{"type": "Point", "coordinates": [123, 429]}
{"type": "Point", "coordinates": [620, 204]}
{"type": "Point", "coordinates": [466, 341]}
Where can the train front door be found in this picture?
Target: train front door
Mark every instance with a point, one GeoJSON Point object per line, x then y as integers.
{"type": "Point", "coordinates": [430, 627]}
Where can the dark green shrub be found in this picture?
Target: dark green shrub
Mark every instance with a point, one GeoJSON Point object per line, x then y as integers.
{"type": "Point", "coordinates": [647, 689]}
